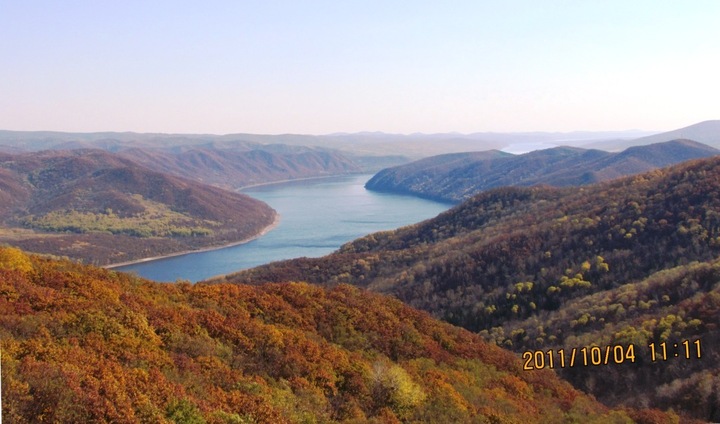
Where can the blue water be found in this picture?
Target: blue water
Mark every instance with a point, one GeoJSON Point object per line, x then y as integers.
{"type": "Point", "coordinates": [316, 217]}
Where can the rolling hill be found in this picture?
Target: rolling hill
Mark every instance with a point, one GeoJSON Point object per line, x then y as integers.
{"type": "Point", "coordinates": [706, 132]}
{"type": "Point", "coordinates": [102, 208]}
{"type": "Point", "coordinates": [235, 168]}
{"type": "Point", "coordinates": [84, 344]}
{"type": "Point", "coordinates": [457, 177]}
{"type": "Point", "coordinates": [628, 261]}
{"type": "Point", "coordinates": [230, 161]}
{"type": "Point", "coordinates": [237, 160]}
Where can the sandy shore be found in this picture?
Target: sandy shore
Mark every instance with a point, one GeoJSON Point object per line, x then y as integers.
{"type": "Point", "coordinates": [264, 231]}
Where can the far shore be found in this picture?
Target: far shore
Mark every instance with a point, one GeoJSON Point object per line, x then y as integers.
{"type": "Point", "coordinates": [264, 231]}
{"type": "Point", "coordinates": [319, 177]}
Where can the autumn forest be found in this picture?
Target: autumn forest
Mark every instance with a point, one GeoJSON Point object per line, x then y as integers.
{"type": "Point", "coordinates": [594, 302]}
{"type": "Point", "coordinates": [631, 261]}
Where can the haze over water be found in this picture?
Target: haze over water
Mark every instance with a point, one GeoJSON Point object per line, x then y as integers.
{"type": "Point", "coordinates": [316, 218]}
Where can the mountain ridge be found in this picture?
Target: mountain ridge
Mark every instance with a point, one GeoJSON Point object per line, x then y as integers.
{"type": "Point", "coordinates": [234, 169]}
{"type": "Point", "coordinates": [559, 166]}
{"type": "Point", "coordinates": [706, 132]}
{"type": "Point", "coordinates": [413, 146]}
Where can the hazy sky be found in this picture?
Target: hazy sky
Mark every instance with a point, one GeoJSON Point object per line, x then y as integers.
{"type": "Point", "coordinates": [318, 67]}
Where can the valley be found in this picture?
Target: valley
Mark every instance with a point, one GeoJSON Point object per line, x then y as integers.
{"type": "Point", "coordinates": [527, 267]}
{"type": "Point", "coordinates": [254, 212]}
{"type": "Point", "coordinates": [316, 217]}
{"type": "Point", "coordinates": [554, 250]}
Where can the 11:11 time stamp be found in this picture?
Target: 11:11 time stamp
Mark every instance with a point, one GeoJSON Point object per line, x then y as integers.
{"type": "Point", "coordinates": [612, 354]}
{"type": "Point", "coordinates": [664, 351]}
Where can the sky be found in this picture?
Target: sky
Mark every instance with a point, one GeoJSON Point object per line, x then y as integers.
{"type": "Point", "coordinates": [320, 67]}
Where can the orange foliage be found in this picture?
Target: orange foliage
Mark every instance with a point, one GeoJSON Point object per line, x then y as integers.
{"type": "Point", "coordinates": [82, 344]}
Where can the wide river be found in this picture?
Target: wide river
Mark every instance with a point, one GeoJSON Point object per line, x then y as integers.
{"type": "Point", "coordinates": [316, 217]}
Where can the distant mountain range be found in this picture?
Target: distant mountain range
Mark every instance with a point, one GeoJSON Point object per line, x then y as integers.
{"type": "Point", "coordinates": [103, 208]}
{"type": "Point", "coordinates": [234, 160]}
{"type": "Point", "coordinates": [706, 132]}
{"type": "Point", "coordinates": [456, 177]}
{"type": "Point", "coordinates": [364, 145]}
{"type": "Point", "coordinates": [225, 161]}
{"type": "Point", "coordinates": [628, 262]}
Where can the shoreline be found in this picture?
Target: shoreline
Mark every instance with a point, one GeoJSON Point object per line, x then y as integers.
{"type": "Point", "coordinates": [267, 229]}
{"type": "Point", "coordinates": [319, 177]}
{"type": "Point", "coordinates": [272, 226]}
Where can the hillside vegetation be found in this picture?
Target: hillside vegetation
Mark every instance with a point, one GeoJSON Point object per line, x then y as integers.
{"type": "Point", "coordinates": [459, 176]}
{"type": "Point", "coordinates": [549, 268]}
{"type": "Point", "coordinates": [83, 344]}
{"type": "Point", "coordinates": [101, 208]}
{"type": "Point", "coordinates": [237, 167]}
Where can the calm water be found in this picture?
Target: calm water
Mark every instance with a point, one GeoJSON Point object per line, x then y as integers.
{"type": "Point", "coordinates": [316, 218]}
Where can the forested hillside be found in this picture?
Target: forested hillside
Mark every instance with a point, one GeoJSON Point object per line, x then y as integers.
{"type": "Point", "coordinates": [229, 161]}
{"type": "Point", "coordinates": [237, 167]}
{"type": "Point", "coordinates": [520, 265]}
{"type": "Point", "coordinates": [83, 344]}
{"type": "Point", "coordinates": [101, 208]}
{"type": "Point", "coordinates": [676, 310]}
{"type": "Point", "coordinates": [459, 176]}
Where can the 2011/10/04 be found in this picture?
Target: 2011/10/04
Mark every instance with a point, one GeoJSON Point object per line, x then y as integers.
{"type": "Point", "coordinates": [611, 354]}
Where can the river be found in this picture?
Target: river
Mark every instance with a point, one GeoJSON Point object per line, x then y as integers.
{"type": "Point", "coordinates": [317, 216]}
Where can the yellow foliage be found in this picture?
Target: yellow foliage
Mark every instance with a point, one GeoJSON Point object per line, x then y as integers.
{"type": "Point", "coordinates": [12, 258]}
{"type": "Point", "coordinates": [397, 387]}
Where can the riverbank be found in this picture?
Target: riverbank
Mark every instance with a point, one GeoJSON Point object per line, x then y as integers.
{"type": "Point", "coordinates": [264, 231]}
{"type": "Point", "coordinates": [291, 180]}
{"type": "Point", "coordinates": [317, 217]}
